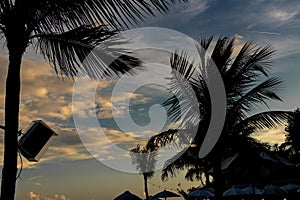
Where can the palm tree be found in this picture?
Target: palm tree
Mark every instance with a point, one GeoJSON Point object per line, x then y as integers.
{"type": "Point", "coordinates": [64, 32]}
{"type": "Point", "coordinates": [291, 146]}
{"type": "Point", "coordinates": [242, 73]}
{"type": "Point", "coordinates": [144, 159]}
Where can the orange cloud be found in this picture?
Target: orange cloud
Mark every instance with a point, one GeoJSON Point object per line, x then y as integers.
{"type": "Point", "coordinates": [34, 196]}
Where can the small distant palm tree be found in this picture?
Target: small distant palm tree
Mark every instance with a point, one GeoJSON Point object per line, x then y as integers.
{"type": "Point", "coordinates": [144, 159]}
{"type": "Point", "coordinates": [243, 74]}
{"type": "Point", "coordinates": [64, 32]}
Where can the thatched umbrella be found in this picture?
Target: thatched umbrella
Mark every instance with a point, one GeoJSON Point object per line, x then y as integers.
{"type": "Point", "coordinates": [127, 196]}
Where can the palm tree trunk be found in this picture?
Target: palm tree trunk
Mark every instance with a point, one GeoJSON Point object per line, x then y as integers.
{"type": "Point", "coordinates": [146, 186]}
{"type": "Point", "coordinates": [207, 181]}
{"type": "Point", "coordinates": [218, 179]}
{"type": "Point", "coordinates": [217, 167]}
{"type": "Point", "coordinates": [12, 100]}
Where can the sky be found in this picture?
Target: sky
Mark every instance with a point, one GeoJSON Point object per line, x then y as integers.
{"type": "Point", "coordinates": [80, 165]}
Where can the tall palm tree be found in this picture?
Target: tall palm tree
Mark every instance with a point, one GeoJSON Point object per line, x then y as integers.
{"type": "Point", "coordinates": [144, 159]}
{"type": "Point", "coordinates": [243, 74]}
{"type": "Point", "coordinates": [64, 32]}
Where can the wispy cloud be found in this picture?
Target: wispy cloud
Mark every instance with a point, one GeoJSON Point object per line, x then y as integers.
{"type": "Point", "coordinates": [281, 15]}
{"type": "Point", "coordinates": [265, 32]}
{"type": "Point", "coordinates": [195, 7]}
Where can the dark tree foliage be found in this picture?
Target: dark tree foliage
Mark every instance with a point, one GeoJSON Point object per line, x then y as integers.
{"type": "Point", "coordinates": [291, 147]}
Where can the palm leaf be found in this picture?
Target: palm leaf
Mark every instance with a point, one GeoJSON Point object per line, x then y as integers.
{"type": "Point", "coordinates": [57, 15]}
{"type": "Point", "coordinates": [222, 53]}
{"type": "Point", "coordinates": [177, 163]}
{"type": "Point", "coordinates": [66, 52]}
{"type": "Point", "coordinates": [264, 120]}
{"type": "Point", "coordinates": [182, 65]}
{"type": "Point", "coordinates": [205, 42]}
{"type": "Point", "coordinates": [186, 159]}
{"type": "Point", "coordinates": [259, 94]}
{"type": "Point", "coordinates": [250, 63]}
{"type": "Point", "coordinates": [162, 139]}
{"type": "Point", "coordinates": [184, 103]}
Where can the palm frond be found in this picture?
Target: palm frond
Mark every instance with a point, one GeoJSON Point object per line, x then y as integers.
{"type": "Point", "coordinates": [202, 46]}
{"type": "Point", "coordinates": [5, 5]}
{"type": "Point", "coordinates": [251, 59]}
{"type": "Point", "coordinates": [222, 53]}
{"type": "Point", "coordinates": [162, 139]}
{"type": "Point", "coordinates": [188, 160]}
{"type": "Point", "coordinates": [57, 15]}
{"type": "Point", "coordinates": [260, 94]}
{"type": "Point", "coordinates": [195, 173]}
{"type": "Point", "coordinates": [247, 68]}
{"type": "Point", "coordinates": [264, 120]}
{"type": "Point", "coordinates": [92, 46]}
{"type": "Point", "coordinates": [184, 159]}
{"type": "Point", "coordinates": [257, 60]}
{"type": "Point", "coordinates": [187, 108]}
{"type": "Point", "coordinates": [181, 63]}
{"type": "Point", "coordinates": [184, 103]}
{"type": "Point", "coordinates": [205, 42]}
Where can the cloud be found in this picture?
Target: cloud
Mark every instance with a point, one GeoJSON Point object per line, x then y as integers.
{"type": "Point", "coordinates": [265, 32]}
{"type": "Point", "coordinates": [273, 15]}
{"type": "Point", "coordinates": [48, 98]}
{"type": "Point", "coordinates": [183, 12]}
{"type": "Point", "coordinates": [272, 136]}
{"type": "Point", "coordinates": [195, 7]}
{"type": "Point", "coordinates": [102, 142]}
{"type": "Point", "coordinates": [34, 196]}
{"type": "Point", "coordinates": [281, 16]}
{"type": "Point", "coordinates": [118, 104]}
{"type": "Point", "coordinates": [42, 94]}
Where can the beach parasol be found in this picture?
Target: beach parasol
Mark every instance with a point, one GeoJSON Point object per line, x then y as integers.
{"type": "Point", "coordinates": [165, 194]}
{"type": "Point", "coordinates": [201, 193]}
{"type": "Point", "coordinates": [127, 196]}
{"type": "Point", "coordinates": [290, 187]}
{"type": "Point", "coordinates": [253, 190]}
{"type": "Point", "coordinates": [153, 198]}
{"type": "Point", "coordinates": [273, 190]}
{"type": "Point", "coordinates": [234, 191]}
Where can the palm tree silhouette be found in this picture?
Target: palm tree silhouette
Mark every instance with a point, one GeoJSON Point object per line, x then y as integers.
{"type": "Point", "coordinates": [291, 146]}
{"type": "Point", "coordinates": [64, 32]}
{"type": "Point", "coordinates": [144, 159]}
{"type": "Point", "coordinates": [243, 73]}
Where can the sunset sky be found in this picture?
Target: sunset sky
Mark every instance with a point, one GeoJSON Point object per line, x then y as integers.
{"type": "Point", "coordinates": [69, 171]}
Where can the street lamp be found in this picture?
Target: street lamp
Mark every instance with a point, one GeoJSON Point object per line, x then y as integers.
{"type": "Point", "coordinates": [35, 140]}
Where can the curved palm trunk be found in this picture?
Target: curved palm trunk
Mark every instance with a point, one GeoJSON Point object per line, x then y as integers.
{"type": "Point", "coordinates": [12, 100]}
{"type": "Point", "coordinates": [146, 186]}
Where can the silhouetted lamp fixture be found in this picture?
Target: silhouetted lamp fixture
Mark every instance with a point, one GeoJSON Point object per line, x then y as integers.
{"type": "Point", "coordinates": [35, 140]}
